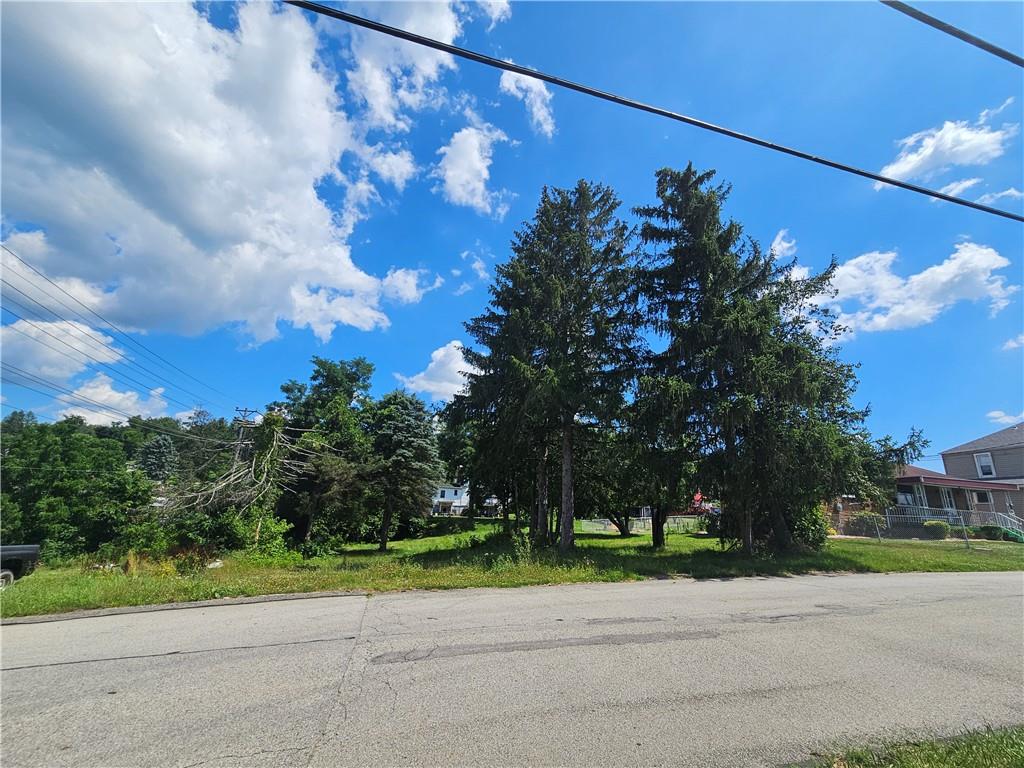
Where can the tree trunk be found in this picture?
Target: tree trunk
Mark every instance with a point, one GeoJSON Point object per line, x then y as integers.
{"type": "Point", "coordinates": [748, 529]}
{"type": "Point", "coordinates": [658, 527]}
{"type": "Point", "coordinates": [621, 522]}
{"type": "Point", "coordinates": [540, 518]}
{"type": "Point", "coordinates": [780, 531]}
{"type": "Point", "coordinates": [309, 525]}
{"type": "Point", "coordinates": [567, 539]}
{"type": "Point", "coordinates": [385, 526]}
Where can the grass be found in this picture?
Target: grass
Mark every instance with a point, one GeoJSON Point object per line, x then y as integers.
{"type": "Point", "coordinates": [480, 557]}
{"type": "Point", "coordinates": [985, 749]}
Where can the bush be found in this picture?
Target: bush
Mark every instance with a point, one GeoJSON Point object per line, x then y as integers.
{"type": "Point", "coordinates": [811, 528]}
{"type": "Point", "coordinates": [991, 532]}
{"type": "Point", "coordinates": [936, 529]}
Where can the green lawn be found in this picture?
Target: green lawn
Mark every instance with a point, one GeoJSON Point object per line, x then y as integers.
{"type": "Point", "coordinates": [987, 749]}
{"type": "Point", "coordinates": [478, 558]}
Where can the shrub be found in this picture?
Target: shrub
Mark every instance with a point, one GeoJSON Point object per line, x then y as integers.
{"type": "Point", "coordinates": [936, 529]}
{"type": "Point", "coordinates": [811, 528]}
{"type": "Point", "coordinates": [992, 532]}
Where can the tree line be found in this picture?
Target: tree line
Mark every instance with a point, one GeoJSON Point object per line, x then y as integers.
{"type": "Point", "coordinates": [619, 364]}
{"type": "Point", "coordinates": [326, 465]}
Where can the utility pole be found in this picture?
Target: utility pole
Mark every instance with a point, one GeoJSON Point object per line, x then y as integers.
{"type": "Point", "coordinates": [243, 420]}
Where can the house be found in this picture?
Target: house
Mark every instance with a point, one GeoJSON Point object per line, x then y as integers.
{"type": "Point", "coordinates": [451, 499]}
{"type": "Point", "coordinates": [925, 494]}
{"type": "Point", "coordinates": [996, 458]}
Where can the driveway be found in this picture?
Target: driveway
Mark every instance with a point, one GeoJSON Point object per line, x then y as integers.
{"type": "Point", "coordinates": [722, 673]}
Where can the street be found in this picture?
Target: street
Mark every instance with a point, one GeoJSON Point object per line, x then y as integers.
{"type": "Point", "coordinates": [739, 672]}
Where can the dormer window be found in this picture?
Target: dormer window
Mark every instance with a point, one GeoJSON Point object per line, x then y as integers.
{"type": "Point", "coordinates": [983, 462]}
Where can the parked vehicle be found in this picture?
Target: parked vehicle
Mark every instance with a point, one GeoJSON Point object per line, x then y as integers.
{"type": "Point", "coordinates": [16, 560]}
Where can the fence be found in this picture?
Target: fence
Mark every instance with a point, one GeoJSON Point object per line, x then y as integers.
{"type": "Point", "coordinates": [909, 522]}
{"type": "Point", "coordinates": [673, 524]}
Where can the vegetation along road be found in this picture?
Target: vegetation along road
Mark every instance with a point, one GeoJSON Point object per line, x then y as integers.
{"type": "Point", "coordinates": [733, 672]}
{"type": "Point", "coordinates": [476, 554]}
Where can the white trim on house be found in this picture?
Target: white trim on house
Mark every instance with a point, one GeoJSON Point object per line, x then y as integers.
{"type": "Point", "coordinates": [979, 461]}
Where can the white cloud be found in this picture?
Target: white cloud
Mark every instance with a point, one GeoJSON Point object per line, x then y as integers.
{"type": "Point", "coordinates": [49, 349]}
{"type": "Point", "coordinates": [988, 114]}
{"type": "Point", "coordinates": [101, 390]}
{"type": "Point", "coordinates": [999, 417]}
{"type": "Point", "coordinates": [956, 187]}
{"type": "Point", "coordinates": [535, 94]}
{"type": "Point", "coordinates": [404, 286]}
{"type": "Point", "coordinates": [396, 167]}
{"type": "Point", "coordinates": [954, 143]}
{"type": "Point", "coordinates": [871, 297]}
{"type": "Point", "coordinates": [392, 76]}
{"type": "Point", "coordinates": [1013, 193]}
{"type": "Point", "coordinates": [463, 288]}
{"type": "Point", "coordinates": [465, 169]}
{"type": "Point", "coordinates": [1014, 343]}
{"type": "Point", "coordinates": [456, 273]}
{"type": "Point", "coordinates": [174, 166]}
{"type": "Point", "coordinates": [497, 11]}
{"type": "Point", "coordinates": [781, 247]}
{"type": "Point", "coordinates": [444, 375]}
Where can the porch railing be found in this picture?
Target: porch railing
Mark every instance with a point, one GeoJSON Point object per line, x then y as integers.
{"type": "Point", "coordinates": [902, 515]}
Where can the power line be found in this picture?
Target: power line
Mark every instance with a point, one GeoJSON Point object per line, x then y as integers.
{"type": "Point", "coordinates": [949, 29]}
{"type": "Point", "coordinates": [114, 327]}
{"type": "Point", "coordinates": [97, 345]}
{"type": "Point", "coordinates": [102, 409]}
{"type": "Point", "coordinates": [508, 66]}
{"type": "Point", "coordinates": [96, 360]}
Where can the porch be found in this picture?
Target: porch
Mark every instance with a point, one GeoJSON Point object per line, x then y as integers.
{"type": "Point", "coordinates": [922, 497]}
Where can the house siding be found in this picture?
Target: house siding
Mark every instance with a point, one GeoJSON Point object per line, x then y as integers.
{"type": "Point", "coordinates": [1008, 463]}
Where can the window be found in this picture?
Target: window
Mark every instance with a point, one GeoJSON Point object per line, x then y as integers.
{"type": "Point", "coordinates": [983, 461]}
{"type": "Point", "coordinates": [982, 497]}
{"type": "Point", "coordinates": [442, 493]}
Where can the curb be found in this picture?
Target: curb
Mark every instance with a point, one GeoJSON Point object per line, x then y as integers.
{"type": "Point", "coordinates": [219, 602]}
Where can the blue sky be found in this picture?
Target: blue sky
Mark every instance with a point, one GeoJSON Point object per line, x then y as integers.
{"type": "Point", "coordinates": [250, 186]}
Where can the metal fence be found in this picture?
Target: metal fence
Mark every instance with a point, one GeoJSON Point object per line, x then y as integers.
{"type": "Point", "coordinates": [673, 524]}
{"type": "Point", "coordinates": [910, 522]}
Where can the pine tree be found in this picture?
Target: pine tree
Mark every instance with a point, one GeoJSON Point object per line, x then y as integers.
{"type": "Point", "coordinates": [406, 469]}
{"type": "Point", "coordinates": [561, 331]}
{"type": "Point", "coordinates": [749, 378]}
{"type": "Point", "coordinates": [158, 458]}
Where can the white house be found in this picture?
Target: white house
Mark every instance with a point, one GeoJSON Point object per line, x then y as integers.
{"type": "Point", "coordinates": [451, 499]}
{"type": "Point", "coordinates": [454, 500]}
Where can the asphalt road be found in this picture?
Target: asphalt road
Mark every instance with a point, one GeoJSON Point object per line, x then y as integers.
{"type": "Point", "coordinates": [713, 673]}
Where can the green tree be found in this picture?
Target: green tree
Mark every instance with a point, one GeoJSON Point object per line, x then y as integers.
{"type": "Point", "coordinates": [158, 458]}
{"type": "Point", "coordinates": [561, 330]}
{"type": "Point", "coordinates": [749, 377]}
{"type": "Point", "coordinates": [325, 417]}
{"type": "Point", "coordinates": [405, 466]}
{"type": "Point", "coordinates": [72, 490]}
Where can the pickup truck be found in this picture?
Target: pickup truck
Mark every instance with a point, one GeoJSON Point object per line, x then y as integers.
{"type": "Point", "coordinates": [15, 561]}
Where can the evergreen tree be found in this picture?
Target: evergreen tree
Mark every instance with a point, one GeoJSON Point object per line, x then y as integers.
{"type": "Point", "coordinates": [405, 467]}
{"type": "Point", "coordinates": [749, 377]}
{"type": "Point", "coordinates": [561, 330]}
{"type": "Point", "coordinates": [158, 458]}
